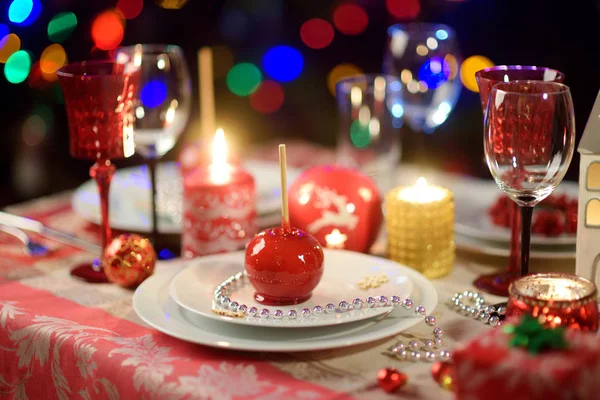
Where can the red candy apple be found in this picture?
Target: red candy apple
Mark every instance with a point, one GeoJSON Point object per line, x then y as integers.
{"type": "Point", "coordinates": [284, 265]}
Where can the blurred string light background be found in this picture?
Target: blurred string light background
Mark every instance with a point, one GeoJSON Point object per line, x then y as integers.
{"type": "Point", "coordinates": [276, 63]}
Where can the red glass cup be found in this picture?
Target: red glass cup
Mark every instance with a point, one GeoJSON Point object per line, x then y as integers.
{"type": "Point", "coordinates": [99, 101]}
{"type": "Point", "coordinates": [556, 300]}
{"type": "Point", "coordinates": [498, 283]}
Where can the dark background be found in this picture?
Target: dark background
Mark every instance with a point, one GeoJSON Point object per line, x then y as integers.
{"type": "Point", "coordinates": [560, 34]}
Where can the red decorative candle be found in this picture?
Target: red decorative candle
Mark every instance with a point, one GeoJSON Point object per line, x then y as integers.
{"type": "Point", "coordinates": [556, 300]}
{"type": "Point", "coordinates": [219, 206]}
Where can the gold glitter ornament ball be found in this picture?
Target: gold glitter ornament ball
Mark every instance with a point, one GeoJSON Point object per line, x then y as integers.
{"type": "Point", "coordinates": [128, 260]}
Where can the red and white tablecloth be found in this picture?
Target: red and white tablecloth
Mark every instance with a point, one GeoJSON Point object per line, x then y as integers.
{"type": "Point", "coordinates": [64, 339]}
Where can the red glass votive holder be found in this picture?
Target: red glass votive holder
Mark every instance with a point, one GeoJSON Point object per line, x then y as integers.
{"type": "Point", "coordinates": [556, 300]}
{"type": "Point", "coordinates": [217, 216]}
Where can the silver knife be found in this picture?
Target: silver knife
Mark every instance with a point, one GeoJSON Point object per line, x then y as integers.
{"type": "Point", "coordinates": [32, 225]}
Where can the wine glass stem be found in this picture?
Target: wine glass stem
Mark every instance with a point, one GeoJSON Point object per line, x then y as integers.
{"type": "Point", "coordinates": [152, 171]}
{"type": "Point", "coordinates": [514, 262]}
{"type": "Point", "coordinates": [102, 171]}
{"type": "Point", "coordinates": [526, 215]}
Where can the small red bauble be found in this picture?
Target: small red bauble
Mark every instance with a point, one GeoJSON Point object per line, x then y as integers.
{"type": "Point", "coordinates": [390, 379]}
{"type": "Point", "coordinates": [443, 373]}
{"type": "Point", "coordinates": [339, 206]}
{"type": "Point", "coordinates": [128, 260]}
{"type": "Point", "coordinates": [284, 265]}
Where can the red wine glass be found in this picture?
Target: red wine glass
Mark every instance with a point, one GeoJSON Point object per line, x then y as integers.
{"type": "Point", "coordinates": [529, 138]}
{"type": "Point", "coordinates": [499, 282]}
{"type": "Point", "coordinates": [98, 97]}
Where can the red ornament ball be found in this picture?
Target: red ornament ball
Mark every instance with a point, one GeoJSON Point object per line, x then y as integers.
{"type": "Point", "coordinates": [284, 265]}
{"type": "Point", "coordinates": [443, 373]}
{"type": "Point", "coordinates": [340, 206]}
{"type": "Point", "coordinates": [390, 379]}
{"type": "Point", "coordinates": [128, 260]}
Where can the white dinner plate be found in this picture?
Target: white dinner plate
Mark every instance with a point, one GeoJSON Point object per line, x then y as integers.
{"type": "Point", "coordinates": [130, 196]}
{"type": "Point", "coordinates": [499, 249]}
{"type": "Point", "coordinates": [193, 288]}
{"type": "Point", "coordinates": [152, 303]}
{"type": "Point", "coordinates": [473, 199]}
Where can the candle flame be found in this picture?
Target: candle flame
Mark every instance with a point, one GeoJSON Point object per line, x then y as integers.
{"type": "Point", "coordinates": [421, 183]}
{"type": "Point", "coordinates": [219, 170]}
{"type": "Point", "coordinates": [219, 148]}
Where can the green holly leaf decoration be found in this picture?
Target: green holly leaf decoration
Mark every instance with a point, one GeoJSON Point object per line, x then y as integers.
{"type": "Point", "coordinates": [531, 335]}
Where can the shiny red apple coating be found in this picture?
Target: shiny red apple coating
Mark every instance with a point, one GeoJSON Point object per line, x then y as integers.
{"type": "Point", "coordinates": [284, 265]}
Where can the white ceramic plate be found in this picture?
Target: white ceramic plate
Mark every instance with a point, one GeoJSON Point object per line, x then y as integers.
{"type": "Point", "coordinates": [473, 198]}
{"type": "Point", "coordinates": [499, 249]}
{"type": "Point", "coordinates": [152, 303]}
{"type": "Point", "coordinates": [193, 288]}
{"type": "Point", "coordinates": [130, 196]}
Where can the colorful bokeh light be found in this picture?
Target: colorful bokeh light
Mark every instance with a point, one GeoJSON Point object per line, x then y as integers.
{"type": "Point", "coordinates": [340, 72]}
{"type": "Point", "coordinates": [24, 12]}
{"type": "Point", "coordinates": [153, 93]}
{"type": "Point", "coordinates": [107, 30]}
{"type": "Point", "coordinates": [468, 69]}
{"type": "Point", "coordinates": [359, 134]}
{"type": "Point", "coordinates": [17, 67]}
{"type": "Point", "coordinates": [434, 72]}
{"type": "Point", "coordinates": [350, 19]}
{"type": "Point", "coordinates": [268, 98]}
{"type": "Point", "coordinates": [243, 79]}
{"type": "Point", "coordinates": [53, 57]}
{"type": "Point", "coordinates": [9, 44]}
{"type": "Point", "coordinates": [283, 63]}
{"type": "Point", "coordinates": [316, 33]}
{"type": "Point", "coordinates": [61, 26]}
{"type": "Point", "coordinates": [4, 31]}
{"type": "Point", "coordinates": [171, 4]}
{"type": "Point", "coordinates": [403, 9]}
{"type": "Point", "coordinates": [130, 8]}
{"type": "Point", "coordinates": [19, 10]}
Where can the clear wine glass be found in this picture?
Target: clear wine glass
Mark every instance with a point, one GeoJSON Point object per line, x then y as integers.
{"type": "Point", "coordinates": [498, 283]}
{"type": "Point", "coordinates": [529, 138]}
{"type": "Point", "coordinates": [163, 107]}
{"type": "Point", "coordinates": [426, 58]}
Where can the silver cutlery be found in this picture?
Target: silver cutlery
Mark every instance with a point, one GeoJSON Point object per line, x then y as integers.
{"type": "Point", "coordinates": [27, 224]}
{"type": "Point", "coordinates": [32, 247]}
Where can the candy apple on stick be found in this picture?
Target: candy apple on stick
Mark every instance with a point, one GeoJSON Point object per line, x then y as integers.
{"type": "Point", "coordinates": [284, 264]}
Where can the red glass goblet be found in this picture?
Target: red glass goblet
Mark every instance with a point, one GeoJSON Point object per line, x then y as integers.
{"type": "Point", "coordinates": [556, 300]}
{"type": "Point", "coordinates": [99, 99]}
{"type": "Point", "coordinates": [498, 283]}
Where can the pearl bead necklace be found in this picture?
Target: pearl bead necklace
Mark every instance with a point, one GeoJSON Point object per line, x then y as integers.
{"type": "Point", "coordinates": [472, 304]}
{"type": "Point", "coordinates": [223, 300]}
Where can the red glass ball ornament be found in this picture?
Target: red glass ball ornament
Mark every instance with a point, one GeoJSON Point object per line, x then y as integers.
{"type": "Point", "coordinates": [341, 207]}
{"type": "Point", "coordinates": [390, 379]}
{"type": "Point", "coordinates": [443, 373]}
{"type": "Point", "coordinates": [128, 260]}
{"type": "Point", "coordinates": [284, 265]}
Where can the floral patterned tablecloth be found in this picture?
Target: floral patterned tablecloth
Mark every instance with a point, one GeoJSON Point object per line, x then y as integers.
{"type": "Point", "coordinates": [65, 339]}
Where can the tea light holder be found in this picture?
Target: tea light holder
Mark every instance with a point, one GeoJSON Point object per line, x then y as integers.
{"type": "Point", "coordinates": [556, 300]}
{"type": "Point", "coordinates": [420, 228]}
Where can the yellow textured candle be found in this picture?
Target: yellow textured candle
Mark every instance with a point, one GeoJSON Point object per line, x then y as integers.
{"type": "Point", "coordinates": [420, 228]}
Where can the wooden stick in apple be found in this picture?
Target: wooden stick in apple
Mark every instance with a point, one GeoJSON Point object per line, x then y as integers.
{"type": "Point", "coordinates": [285, 213]}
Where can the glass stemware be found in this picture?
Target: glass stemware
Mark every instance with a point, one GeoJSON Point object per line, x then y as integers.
{"type": "Point", "coordinates": [426, 58]}
{"type": "Point", "coordinates": [529, 138]}
{"type": "Point", "coordinates": [368, 137]}
{"type": "Point", "coordinates": [99, 97]}
{"type": "Point", "coordinates": [163, 107]}
{"type": "Point", "coordinates": [498, 283]}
